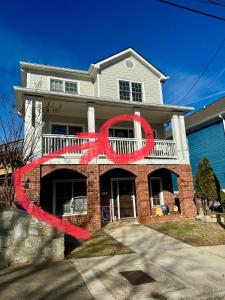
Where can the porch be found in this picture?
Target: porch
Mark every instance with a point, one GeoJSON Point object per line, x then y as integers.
{"type": "Point", "coordinates": [98, 194]}
{"type": "Point", "coordinates": [57, 122]}
{"type": "Point", "coordinates": [162, 148]}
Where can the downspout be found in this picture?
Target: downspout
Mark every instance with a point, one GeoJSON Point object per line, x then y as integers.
{"type": "Point", "coordinates": [223, 121]}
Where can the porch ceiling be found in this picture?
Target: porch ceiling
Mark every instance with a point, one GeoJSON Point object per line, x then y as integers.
{"type": "Point", "coordinates": [103, 112]}
{"type": "Point", "coordinates": [73, 105]}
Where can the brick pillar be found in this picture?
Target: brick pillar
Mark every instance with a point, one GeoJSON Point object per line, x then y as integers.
{"type": "Point", "coordinates": [186, 191]}
{"type": "Point", "coordinates": [31, 182]}
{"type": "Point", "coordinates": [93, 197]}
{"type": "Point", "coordinates": [142, 195]}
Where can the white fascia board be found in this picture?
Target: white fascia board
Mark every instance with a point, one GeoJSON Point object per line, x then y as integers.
{"type": "Point", "coordinates": [136, 55]}
{"type": "Point", "coordinates": [67, 97]}
{"type": "Point", "coordinates": [46, 68]}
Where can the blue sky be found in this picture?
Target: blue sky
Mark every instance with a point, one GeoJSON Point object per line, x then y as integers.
{"type": "Point", "coordinates": [77, 33]}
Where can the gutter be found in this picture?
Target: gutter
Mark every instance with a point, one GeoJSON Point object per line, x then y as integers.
{"type": "Point", "coordinates": [68, 97]}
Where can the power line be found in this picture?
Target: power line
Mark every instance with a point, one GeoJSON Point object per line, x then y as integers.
{"type": "Point", "coordinates": [210, 2]}
{"type": "Point", "coordinates": [216, 3]}
{"type": "Point", "coordinates": [192, 10]}
{"type": "Point", "coordinates": [204, 71]}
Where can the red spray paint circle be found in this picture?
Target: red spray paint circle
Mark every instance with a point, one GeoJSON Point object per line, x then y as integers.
{"type": "Point", "coordinates": [98, 146]}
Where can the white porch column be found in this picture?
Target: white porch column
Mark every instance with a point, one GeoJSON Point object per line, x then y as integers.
{"type": "Point", "coordinates": [38, 128]}
{"type": "Point", "coordinates": [28, 129]}
{"type": "Point", "coordinates": [177, 136]}
{"type": "Point", "coordinates": [137, 131]}
{"type": "Point", "coordinates": [184, 140]}
{"type": "Point", "coordinates": [91, 117]}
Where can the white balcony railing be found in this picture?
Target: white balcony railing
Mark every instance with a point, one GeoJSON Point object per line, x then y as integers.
{"type": "Point", "coordinates": [162, 148]}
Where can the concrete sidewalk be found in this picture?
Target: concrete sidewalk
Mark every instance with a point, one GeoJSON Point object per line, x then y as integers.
{"type": "Point", "coordinates": [50, 281]}
{"type": "Point", "coordinates": [181, 271]}
{"type": "Point", "coordinates": [196, 267]}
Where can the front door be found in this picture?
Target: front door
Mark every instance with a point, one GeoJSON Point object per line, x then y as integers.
{"type": "Point", "coordinates": [123, 199]}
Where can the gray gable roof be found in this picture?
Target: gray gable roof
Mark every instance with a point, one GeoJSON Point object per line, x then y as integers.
{"type": "Point", "coordinates": [206, 115]}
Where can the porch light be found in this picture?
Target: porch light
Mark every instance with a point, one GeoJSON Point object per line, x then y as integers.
{"type": "Point", "coordinates": [27, 184]}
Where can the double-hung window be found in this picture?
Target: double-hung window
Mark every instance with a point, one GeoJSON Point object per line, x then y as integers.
{"type": "Point", "coordinates": [130, 91]}
{"type": "Point", "coordinates": [124, 90]}
{"type": "Point", "coordinates": [71, 87]}
{"type": "Point", "coordinates": [56, 85]}
{"type": "Point", "coordinates": [65, 86]}
{"type": "Point", "coordinates": [70, 197]}
{"type": "Point", "coordinates": [66, 129]}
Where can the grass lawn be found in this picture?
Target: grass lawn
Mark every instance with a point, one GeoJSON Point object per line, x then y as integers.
{"type": "Point", "coordinates": [101, 244]}
{"type": "Point", "coordinates": [193, 232]}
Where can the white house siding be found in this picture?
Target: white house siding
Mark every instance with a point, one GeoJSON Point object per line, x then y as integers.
{"type": "Point", "coordinates": [111, 74]}
{"type": "Point", "coordinates": [41, 82]}
{"type": "Point", "coordinates": [87, 88]}
{"type": "Point", "coordinates": [37, 81]}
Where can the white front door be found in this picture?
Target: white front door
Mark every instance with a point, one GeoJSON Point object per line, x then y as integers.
{"type": "Point", "coordinates": [123, 198]}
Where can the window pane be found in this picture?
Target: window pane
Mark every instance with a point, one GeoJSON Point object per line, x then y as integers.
{"type": "Point", "coordinates": [63, 197]}
{"type": "Point", "coordinates": [56, 85]}
{"type": "Point", "coordinates": [71, 87]}
{"type": "Point", "coordinates": [124, 87]}
{"type": "Point", "coordinates": [73, 130]}
{"type": "Point", "coordinates": [79, 197]}
{"type": "Point", "coordinates": [156, 189]}
{"type": "Point", "coordinates": [111, 132]}
{"type": "Point", "coordinates": [131, 133]}
{"type": "Point", "coordinates": [136, 91]}
{"type": "Point", "coordinates": [121, 133]}
{"type": "Point", "coordinates": [59, 129]}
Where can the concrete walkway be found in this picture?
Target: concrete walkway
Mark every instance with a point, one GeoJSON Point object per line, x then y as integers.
{"type": "Point", "coordinates": [181, 271]}
{"type": "Point", "coordinates": [50, 281]}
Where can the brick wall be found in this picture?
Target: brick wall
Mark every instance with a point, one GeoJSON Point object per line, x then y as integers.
{"type": "Point", "coordinates": [141, 173]}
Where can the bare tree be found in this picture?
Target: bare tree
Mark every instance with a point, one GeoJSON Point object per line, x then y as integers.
{"type": "Point", "coordinates": [16, 149]}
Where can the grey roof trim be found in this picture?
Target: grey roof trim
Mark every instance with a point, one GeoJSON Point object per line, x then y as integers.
{"type": "Point", "coordinates": [213, 119]}
{"type": "Point", "coordinates": [28, 65]}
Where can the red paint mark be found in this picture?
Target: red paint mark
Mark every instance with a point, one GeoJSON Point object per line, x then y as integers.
{"type": "Point", "coordinates": [99, 145]}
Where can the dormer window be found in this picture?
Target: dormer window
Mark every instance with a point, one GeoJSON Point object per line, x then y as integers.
{"type": "Point", "coordinates": [130, 91]}
{"type": "Point", "coordinates": [66, 86]}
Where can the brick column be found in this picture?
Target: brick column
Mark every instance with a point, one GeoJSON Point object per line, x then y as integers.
{"type": "Point", "coordinates": [32, 185]}
{"type": "Point", "coordinates": [186, 191]}
{"type": "Point", "coordinates": [93, 197]}
{"type": "Point", "coordinates": [142, 195]}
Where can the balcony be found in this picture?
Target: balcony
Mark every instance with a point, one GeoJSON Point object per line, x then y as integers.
{"type": "Point", "coordinates": [163, 149]}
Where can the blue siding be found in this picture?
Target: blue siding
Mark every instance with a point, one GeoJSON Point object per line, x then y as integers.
{"type": "Point", "coordinates": [209, 142]}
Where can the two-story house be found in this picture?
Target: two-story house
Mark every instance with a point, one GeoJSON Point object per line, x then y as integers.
{"type": "Point", "coordinates": [59, 102]}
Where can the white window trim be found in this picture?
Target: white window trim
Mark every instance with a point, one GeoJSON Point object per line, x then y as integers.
{"type": "Point", "coordinates": [161, 191]}
{"type": "Point", "coordinates": [64, 85]}
{"type": "Point", "coordinates": [130, 81]}
{"type": "Point", "coordinates": [54, 195]}
{"type": "Point", "coordinates": [65, 124]}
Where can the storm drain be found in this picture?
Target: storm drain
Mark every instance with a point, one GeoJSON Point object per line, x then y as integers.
{"type": "Point", "coordinates": [137, 277]}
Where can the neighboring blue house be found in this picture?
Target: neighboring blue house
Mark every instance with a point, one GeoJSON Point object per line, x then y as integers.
{"type": "Point", "coordinates": [206, 138]}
